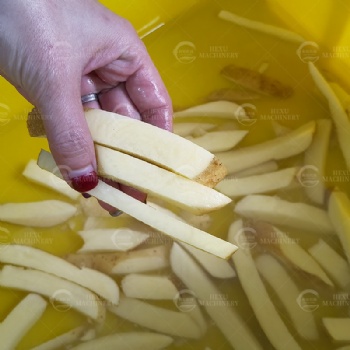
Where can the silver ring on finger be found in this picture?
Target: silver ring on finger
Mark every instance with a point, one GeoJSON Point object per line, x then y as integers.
{"type": "Point", "coordinates": [89, 98]}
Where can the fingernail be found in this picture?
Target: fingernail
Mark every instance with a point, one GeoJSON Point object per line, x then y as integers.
{"type": "Point", "coordinates": [115, 213]}
{"type": "Point", "coordinates": [86, 195]}
{"type": "Point", "coordinates": [84, 180]}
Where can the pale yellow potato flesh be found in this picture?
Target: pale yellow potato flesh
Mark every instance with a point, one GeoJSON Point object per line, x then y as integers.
{"type": "Point", "coordinates": [142, 286]}
{"type": "Point", "coordinates": [287, 291]}
{"type": "Point", "coordinates": [159, 319]}
{"type": "Point", "coordinates": [128, 340]}
{"type": "Point", "coordinates": [338, 114]}
{"type": "Point", "coordinates": [268, 182]}
{"type": "Point", "coordinates": [62, 340]}
{"type": "Point", "coordinates": [159, 182]}
{"type": "Point", "coordinates": [37, 259]}
{"type": "Point", "coordinates": [219, 141]}
{"type": "Point", "coordinates": [337, 328]}
{"type": "Point", "coordinates": [45, 213]}
{"type": "Point", "coordinates": [187, 129]}
{"type": "Point", "coordinates": [332, 262]}
{"type": "Point", "coordinates": [216, 109]}
{"type": "Point", "coordinates": [111, 240]}
{"type": "Point", "coordinates": [44, 178]}
{"type": "Point", "coordinates": [20, 320]}
{"type": "Point", "coordinates": [315, 162]}
{"type": "Point", "coordinates": [264, 310]}
{"type": "Point", "coordinates": [339, 214]}
{"type": "Point", "coordinates": [53, 287]}
{"type": "Point", "coordinates": [269, 29]}
{"type": "Point", "coordinates": [227, 319]}
{"type": "Point", "coordinates": [281, 212]}
{"type": "Point", "coordinates": [262, 168]}
{"type": "Point", "coordinates": [291, 144]}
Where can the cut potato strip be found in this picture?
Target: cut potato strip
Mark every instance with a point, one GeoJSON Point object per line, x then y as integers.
{"type": "Point", "coordinates": [339, 213]}
{"type": "Point", "coordinates": [20, 320]}
{"type": "Point", "coordinates": [162, 320]}
{"type": "Point", "coordinates": [279, 129]}
{"type": "Point", "coordinates": [129, 340]}
{"type": "Point", "coordinates": [159, 182]}
{"type": "Point", "coordinates": [253, 80]}
{"type": "Point", "coordinates": [109, 240]}
{"type": "Point", "coordinates": [332, 262]}
{"type": "Point", "coordinates": [37, 259]}
{"type": "Point", "coordinates": [91, 208]}
{"type": "Point", "coordinates": [38, 214]}
{"type": "Point", "coordinates": [62, 340]}
{"type": "Point", "coordinates": [291, 250]}
{"type": "Point", "coordinates": [269, 29]}
{"type": "Point", "coordinates": [202, 222]}
{"type": "Point", "coordinates": [137, 261]}
{"type": "Point", "coordinates": [217, 109]}
{"type": "Point", "coordinates": [219, 141]}
{"type": "Point", "coordinates": [342, 95]}
{"type": "Point", "coordinates": [227, 319]}
{"type": "Point", "coordinates": [148, 287]}
{"type": "Point", "coordinates": [287, 291]}
{"type": "Point", "coordinates": [57, 289]}
{"type": "Point", "coordinates": [265, 312]}
{"type": "Point", "coordinates": [337, 328]}
{"type": "Point", "coordinates": [44, 178]}
{"type": "Point", "coordinates": [291, 144]}
{"type": "Point", "coordinates": [338, 114]}
{"type": "Point", "coordinates": [281, 212]}
{"type": "Point", "coordinates": [312, 174]}
{"type": "Point", "coordinates": [232, 95]}
{"type": "Point", "coordinates": [257, 183]}
{"type": "Point", "coordinates": [263, 168]}
{"type": "Point", "coordinates": [186, 129]}
{"type": "Point", "coordinates": [172, 227]}
{"type": "Point", "coordinates": [215, 266]}
{"type": "Point", "coordinates": [150, 143]}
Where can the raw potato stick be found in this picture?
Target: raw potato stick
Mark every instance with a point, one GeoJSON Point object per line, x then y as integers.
{"type": "Point", "coordinates": [187, 129]}
{"type": "Point", "coordinates": [281, 212]}
{"type": "Point", "coordinates": [159, 182]}
{"type": "Point", "coordinates": [46, 213]}
{"type": "Point", "coordinates": [128, 340]}
{"type": "Point", "coordinates": [62, 340]}
{"type": "Point", "coordinates": [20, 320]}
{"type": "Point", "coordinates": [287, 291]}
{"type": "Point", "coordinates": [332, 262]}
{"type": "Point", "coordinates": [150, 143]}
{"type": "Point", "coordinates": [55, 288]}
{"type": "Point", "coordinates": [37, 259]}
{"type": "Point", "coordinates": [217, 109]}
{"type": "Point", "coordinates": [159, 319]}
{"type": "Point", "coordinates": [291, 144]}
{"type": "Point", "coordinates": [236, 187]}
{"type": "Point", "coordinates": [44, 178]}
{"type": "Point", "coordinates": [253, 80]}
{"type": "Point", "coordinates": [269, 29]}
{"type": "Point", "coordinates": [338, 114]}
{"type": "Point", "coordinates": [315, 162]}
{"type": "Point", "coordinates": [265, 312]}
{"type": "Point", "coordinates": [338, 328]}
{"type": "Point", "coordinates": [263, 168]}
{"type": "Point", "coordinates": [227, 319]}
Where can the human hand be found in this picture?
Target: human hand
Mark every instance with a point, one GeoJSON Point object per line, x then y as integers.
{"type": "Point", "coordinates": [54, 52]}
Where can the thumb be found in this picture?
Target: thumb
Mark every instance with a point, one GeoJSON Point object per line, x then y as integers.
{"type": "Point", "coordinates": [68, 135]}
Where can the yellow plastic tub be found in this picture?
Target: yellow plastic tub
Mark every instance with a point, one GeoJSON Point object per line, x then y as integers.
{"type": "Point", "coordinates": [189, 46]}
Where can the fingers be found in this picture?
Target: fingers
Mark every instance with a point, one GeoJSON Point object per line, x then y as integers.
{"type": "Point", "coordinates": [67, 132]}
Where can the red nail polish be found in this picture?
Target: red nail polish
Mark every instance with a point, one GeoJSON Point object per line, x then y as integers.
{"type": "Point", "coordinates": [86, 182]}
